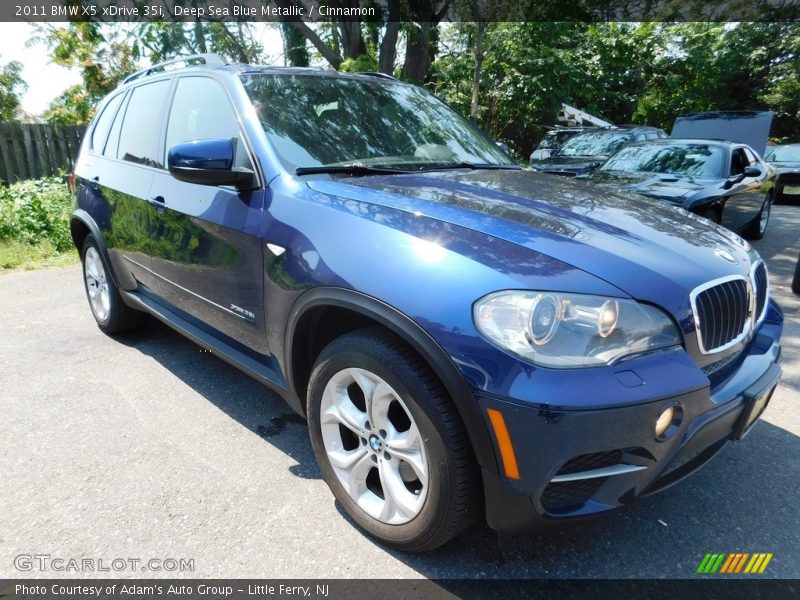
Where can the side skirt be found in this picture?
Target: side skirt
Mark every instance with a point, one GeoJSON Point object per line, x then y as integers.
{"type": "Point", "coordinates": [255, 369]}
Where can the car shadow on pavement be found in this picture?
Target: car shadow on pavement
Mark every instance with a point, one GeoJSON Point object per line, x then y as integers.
{"type": "Point", "coordinates": [242, 398]}
{"type": "Point", "coordinates": [743, 500]}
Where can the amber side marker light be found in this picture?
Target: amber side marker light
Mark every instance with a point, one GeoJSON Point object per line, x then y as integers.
{"type": "Point", "coordinates": [504, 443]}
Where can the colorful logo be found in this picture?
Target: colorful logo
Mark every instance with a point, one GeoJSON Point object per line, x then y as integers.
{"type": "Point", "coordinates": [734, 562]}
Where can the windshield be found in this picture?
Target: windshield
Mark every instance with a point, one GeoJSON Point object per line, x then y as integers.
{"type": "Point", "coordinates": [697, 160]}
{"type": "Point", "coordinates": [554, 139]}
{"type": "Point", "coordinates": [314, 121]}
{"type": "Point", "coordinates": [785, 154]}
{"type": "Point", "coordinates": [594, 144]}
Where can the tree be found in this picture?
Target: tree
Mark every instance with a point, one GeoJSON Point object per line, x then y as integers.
{"type": "Point", "coordinates": [374, 44]}
{"type": "Point", "coordinates": [106, 53]}
{"type": "Point", "coordinates": [512, 77]}
{"type": "Point", "coordinates": [12, 86]}
{"type": "Point", "coordinates": [294, 46]}
{"type": "Point", "coordinates": [163, 41]}
{"type": "Point", "coordinates": [104, 56]}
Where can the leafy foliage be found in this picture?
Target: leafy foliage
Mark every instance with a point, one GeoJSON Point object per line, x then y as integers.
{"type": "Point", "coordinates": [11, 87]}
{"type": "Point", "coordinates": [102, 54]}
{"type": "Point", "coordinates": [36, 211]}
{"type": "Point", "coordinates": [642, 73]}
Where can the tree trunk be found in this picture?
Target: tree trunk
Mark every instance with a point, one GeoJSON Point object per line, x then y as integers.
{"type": "Point", "coordinates": [352, 41]}
{"type": "Point", "coordinates": [388, 49]}
{"type": "Point", "coordinates": [417, 63]}
{"type": "Point", "coordinates": [294, 46]}
{"type": "Point", "coordinates": [199, 33]}
{"type": "Point", "coordinates": [476, 75]}
{"type": "Point", "coordinates": [332, 57]}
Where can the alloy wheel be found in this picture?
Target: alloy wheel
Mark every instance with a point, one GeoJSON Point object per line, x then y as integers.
{"type": "Point", "coordinates": [374, 446]}
{"type": "Point", "coordinates": [96, 284]}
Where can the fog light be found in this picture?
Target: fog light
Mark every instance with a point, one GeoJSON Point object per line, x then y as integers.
{"type": "Point", "coordinates": [664, 421]}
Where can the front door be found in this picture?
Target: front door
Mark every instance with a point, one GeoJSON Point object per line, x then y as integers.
{"type": "Point", "coordinates": [745, 197]}
{"type": "Point", "coordinates": [207, 252]}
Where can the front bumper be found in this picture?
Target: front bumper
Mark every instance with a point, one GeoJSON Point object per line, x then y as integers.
{"type": "Point", "coordinates": [580, 463]}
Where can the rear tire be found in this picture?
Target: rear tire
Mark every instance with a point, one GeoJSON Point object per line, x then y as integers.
{"type": "Point", "coordinates": [113, 316]}
{"type": "Point", "coordinates": [389, 442]}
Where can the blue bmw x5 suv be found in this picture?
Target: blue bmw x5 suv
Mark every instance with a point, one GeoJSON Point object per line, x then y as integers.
{"type": "Point", "coordinates": [464, 337]}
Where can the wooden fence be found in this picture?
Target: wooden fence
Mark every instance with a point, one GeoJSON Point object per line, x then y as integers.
{"type": "Point", "coordinates": [28, 151]}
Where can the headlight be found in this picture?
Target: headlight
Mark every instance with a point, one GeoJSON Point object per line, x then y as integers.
{"type": "Point", "coordinates": [559, 330]}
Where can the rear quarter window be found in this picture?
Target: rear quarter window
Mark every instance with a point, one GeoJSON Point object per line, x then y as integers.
{"type": "Point", "coordinates": [103, 124]}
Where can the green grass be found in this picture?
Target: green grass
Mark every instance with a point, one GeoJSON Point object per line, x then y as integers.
{"type": "Point", "coordinates": [20, 256]}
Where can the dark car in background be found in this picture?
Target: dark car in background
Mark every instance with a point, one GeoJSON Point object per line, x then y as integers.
{"type": "Point", "coordinates": [725, 182]}
{"type": "Point", "coordinates": [711, 165]}
{"type": "Point", "coordinates": [587, 151]}
{"type": "Point", "coordinates": [464, 337]}
{"type": "Point", "coordinates": [554, 139]}
{"type": "Point", "coordinates": [785, 158]}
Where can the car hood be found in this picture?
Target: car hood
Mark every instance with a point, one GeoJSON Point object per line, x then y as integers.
{"type": "Point", "coordinates": [651, 251]}
{"type": "Point", "coordinates": [568, 164]}
{"type": "Point", "coordinates": [785, 167]}
{"type": "Point", "coordinates": [675, 188]}
{"type": "Point", "coordinates": [749, 127]}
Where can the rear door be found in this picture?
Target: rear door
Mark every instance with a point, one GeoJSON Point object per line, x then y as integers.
{"type": "Point", "coordinates": [123, 156]}
{"type": "Point", "coordinates": [206, 249]}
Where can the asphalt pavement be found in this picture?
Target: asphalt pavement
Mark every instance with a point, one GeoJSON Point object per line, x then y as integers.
{"type": "Point", "coordinates": [147, 447]}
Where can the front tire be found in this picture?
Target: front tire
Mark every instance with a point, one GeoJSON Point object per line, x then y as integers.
{"type": "Point", "coordinates": [113, 316]}
{"type": "Point", "coordinates": [389, 442]}
{"type": "Point", "coordinates": [757, 229]}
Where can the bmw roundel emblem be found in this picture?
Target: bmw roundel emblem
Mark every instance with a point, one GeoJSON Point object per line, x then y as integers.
{"type": "Point", "coordinates": [725, 254]}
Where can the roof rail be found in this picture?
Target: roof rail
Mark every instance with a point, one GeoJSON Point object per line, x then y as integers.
{"type": "Point", "coordinates": [376, 74]}
{"type": "Point", "coordinates": [208, 59]}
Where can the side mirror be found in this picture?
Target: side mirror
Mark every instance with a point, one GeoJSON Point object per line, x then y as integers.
{"type": "Point", "coordinates": [504, 147]}
{"type": "Point", "coordinates": [208, 162]}
{"type": "Point", "coordinates": [752, 172]}
{"type": "Point", "coordinates": [748, 172]}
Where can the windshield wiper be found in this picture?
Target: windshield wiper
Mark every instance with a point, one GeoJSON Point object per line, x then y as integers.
{"type": "Point", "coordinates": [469, 165]}
{"type": "Point", "coordinates": [348, 170]}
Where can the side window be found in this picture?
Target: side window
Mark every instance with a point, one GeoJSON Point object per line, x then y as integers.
{"type": "Point", "coordinates": [113, 138]}
{"type": "Point", "coordinates": [103, 125]}
{"type": "Point", "coordinates": [138, 140]}
{"type": "Point", "coordinates": [653, 136]}
{"type": "Point", "coordinates": [751, 158]}
{"type": "Point", "coordinates": [201, 111]}
{"type": "Point", "coordinates": [738, 162]}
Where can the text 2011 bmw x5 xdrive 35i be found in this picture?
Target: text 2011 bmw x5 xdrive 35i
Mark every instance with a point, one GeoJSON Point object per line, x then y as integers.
{"type": "Point", "coordinates": [463, 336]}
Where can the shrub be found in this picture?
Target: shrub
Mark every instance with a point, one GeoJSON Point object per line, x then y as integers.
{"type": "Point", "coordinates": [36, 211]}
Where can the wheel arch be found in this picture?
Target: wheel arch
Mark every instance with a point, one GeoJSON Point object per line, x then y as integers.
{"type": "Point", "coordinates": [81, 225]}
{"type": "Point", "coordinates": [353, 310]}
